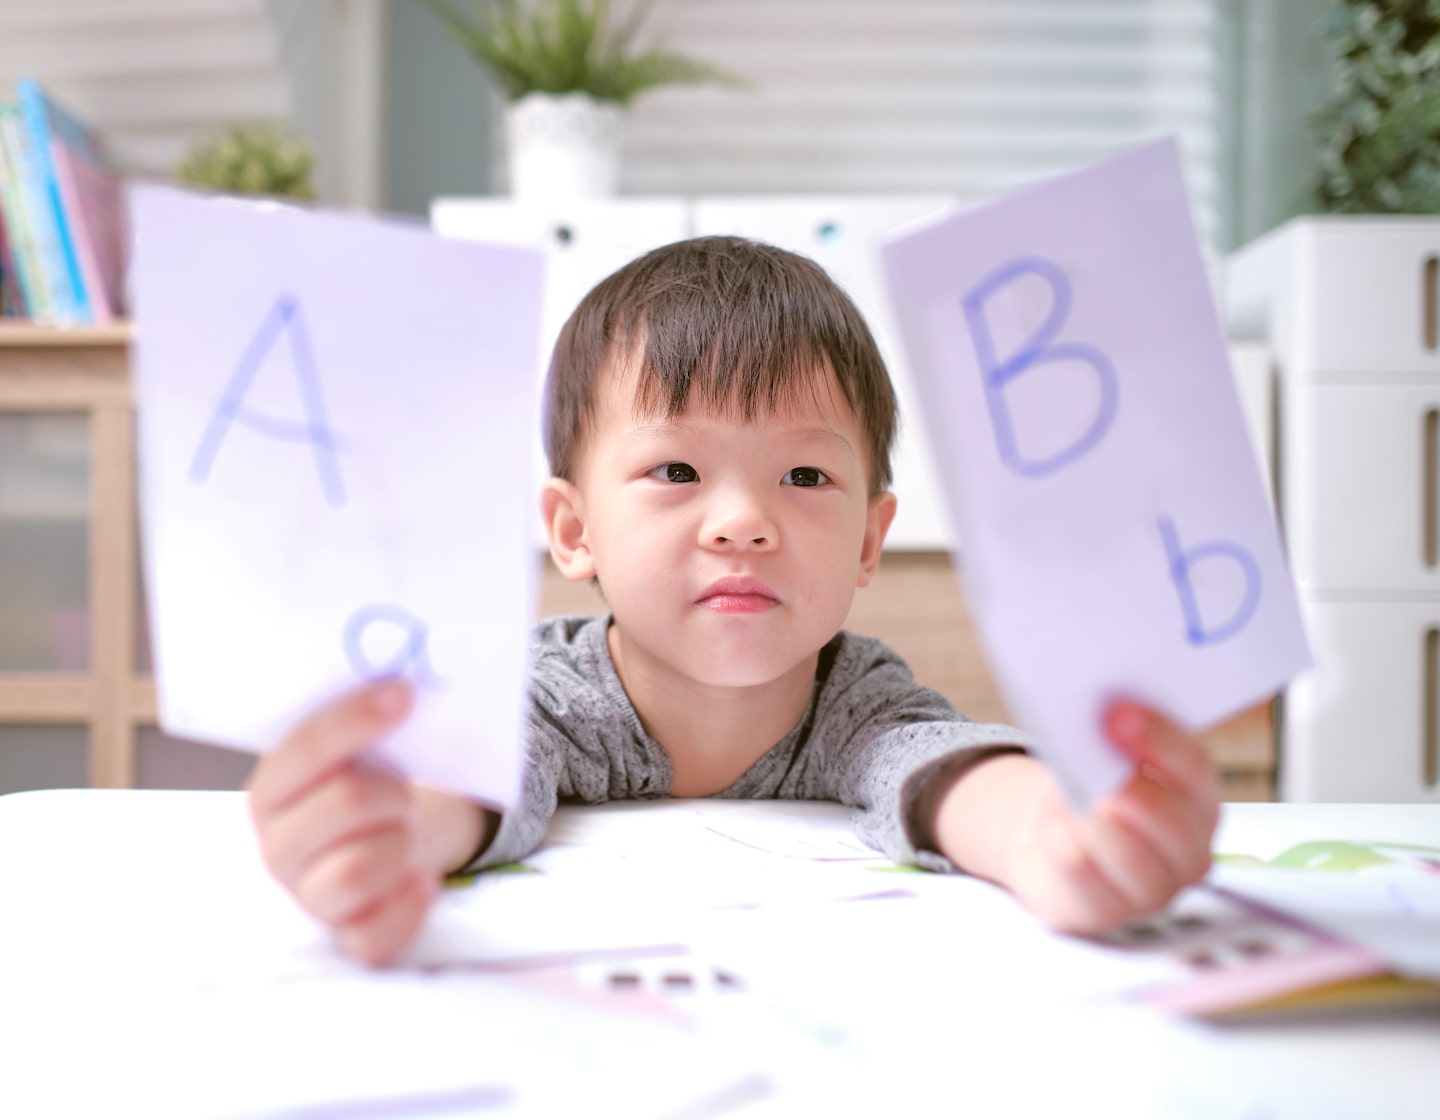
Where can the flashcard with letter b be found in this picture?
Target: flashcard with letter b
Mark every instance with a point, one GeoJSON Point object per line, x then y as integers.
{"type": "Point", "coordinates": [1116, 534]}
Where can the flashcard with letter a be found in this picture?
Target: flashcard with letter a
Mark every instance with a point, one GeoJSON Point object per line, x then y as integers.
{"type": "Point", "coordinates": [334, 435]}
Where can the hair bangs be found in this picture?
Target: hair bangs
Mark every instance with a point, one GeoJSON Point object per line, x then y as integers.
{"type": "Point", "coordinates": [733, 326]}
{"type": "Point", "coordinates": [748, 369]}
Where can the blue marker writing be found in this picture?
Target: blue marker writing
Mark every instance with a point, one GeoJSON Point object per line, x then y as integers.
{"type": "Point", "coordinates": [1038, 350]}
{"type": "Point", "coordinates": [284, 317]}
{"type": "Point", "coordinates": [383, 640]}
{"type": "Point", "coordinates": [1182, 562]}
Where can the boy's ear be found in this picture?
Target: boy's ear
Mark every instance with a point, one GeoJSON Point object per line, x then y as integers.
{"type": "Point", "coordinates": [564, 516]}
{"type": "Point", "coordinates": [877, 524]}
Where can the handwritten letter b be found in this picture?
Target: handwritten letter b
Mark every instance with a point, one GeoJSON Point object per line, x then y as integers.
{"type": "Point", "coordinates": [1182, 564]}
{"type": "Point", "coordinates": [1039, 349]}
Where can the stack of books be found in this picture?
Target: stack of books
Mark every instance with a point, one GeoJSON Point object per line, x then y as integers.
{"type": "Point", "coordinates": [62, 240]}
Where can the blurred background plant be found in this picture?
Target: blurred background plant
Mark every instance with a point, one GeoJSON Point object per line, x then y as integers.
{"type": "Point", "coordinates": [260, 159]}
{"type": "Point", "coordinates": [570, 46]}
{"type": "Point", "coordinates": [1379, 137]}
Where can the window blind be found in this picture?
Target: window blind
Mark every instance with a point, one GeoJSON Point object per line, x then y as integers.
{"type": "Point", "coordinates": [150, 75]}
{"type": "Point", "coordinates": [961, 97]}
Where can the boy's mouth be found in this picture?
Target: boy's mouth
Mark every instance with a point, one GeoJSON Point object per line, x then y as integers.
{"type": "Point", "coordinates": [738, 595]}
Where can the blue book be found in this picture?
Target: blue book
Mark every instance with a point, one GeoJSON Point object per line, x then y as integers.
{"type": "Point", "coordinates": [54, 236]}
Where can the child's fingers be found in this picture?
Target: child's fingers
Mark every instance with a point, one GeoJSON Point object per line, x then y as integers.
{"type": "Point", "coordinates": [1178, 759]}
{"type": "Point", "coordinates": [351, 879]}
{"type": "Point", "coordinates": [377, 936]}
{"type": "Point", "coordinates": [353, 803]}
{"type": "Point", "coordinates": [1177, 828]}
{"type": "Point", "coordinates": [1134, 868]}
{"type": "Point", "coordinates": [335, 733]}
{"type": "Point", "coordinates": [1080, 899]}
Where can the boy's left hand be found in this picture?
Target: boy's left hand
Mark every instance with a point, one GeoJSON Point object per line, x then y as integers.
{"type": "Point", "coordinates": [1136, 849]}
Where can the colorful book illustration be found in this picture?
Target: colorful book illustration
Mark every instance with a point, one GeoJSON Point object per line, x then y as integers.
{"type": "Point", "coordinates": [85, 196]}
{"type": "Point", "coordinates": [1323, 924]}
{"type": "Point", "coordinates": [15, 208]}
{"type": "Point", "coordinates": [11, 302]}
{"type": "Point", "coordinates": [1343, 856]}
{"type": "Point", "coordinates": [1230, 955]}
{"type": "Point", "coordinates": [36, 184]}
{"type": "Point", "coordinates": [82, 204]}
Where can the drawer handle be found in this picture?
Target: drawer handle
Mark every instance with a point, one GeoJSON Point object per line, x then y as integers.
{"type": "Point", "coordinates": [1432, 312]}
{"type": "Point", "coordinates": [1431, 746]}
{"type": "Point", "coordinates": [1429, 515]}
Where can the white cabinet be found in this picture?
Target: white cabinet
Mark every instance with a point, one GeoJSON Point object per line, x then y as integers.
{"type": "Point", "coordinates": [1356, 515]}
{"type": "Point", "coordinates": [1355, 728]}
{"type": "Point", "coordinates": [1349, 308]}
{"type": "Point", "coordinates": [1341, 296]}
{"type": "Point", "coordinates": [584, 241]}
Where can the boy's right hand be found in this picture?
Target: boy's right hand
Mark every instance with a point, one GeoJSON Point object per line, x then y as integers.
{"type": "Point", "coordinates": [361, 850]}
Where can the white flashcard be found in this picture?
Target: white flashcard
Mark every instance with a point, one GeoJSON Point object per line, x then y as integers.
{"type": "Point", "coordinates": [1118, 538]}
{"type": "Point", "coordinates": [335, 475]}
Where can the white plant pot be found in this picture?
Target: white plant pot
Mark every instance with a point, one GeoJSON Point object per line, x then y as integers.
{"type": "Point", "coordinates": [563, 146]}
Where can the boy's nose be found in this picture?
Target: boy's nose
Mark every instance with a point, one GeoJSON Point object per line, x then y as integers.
{"type": "Point", "coordinates": [741, 524]}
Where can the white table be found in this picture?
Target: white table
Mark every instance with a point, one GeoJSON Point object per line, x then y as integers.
{"type": "Point", "coordinates": [666, 959]}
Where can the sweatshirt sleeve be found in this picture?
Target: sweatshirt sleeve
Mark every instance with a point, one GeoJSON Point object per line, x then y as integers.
{"type": "Point", "coordinates": [553, 683]}
{"type": "Point", "coordinates": [583, 742]}
{"type": "Point", "coordinates": [880, 737]}
{"type": "Point", "coordinates": [523, 825]}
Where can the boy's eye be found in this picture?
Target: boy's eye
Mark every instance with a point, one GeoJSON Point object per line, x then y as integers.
{"type": "Point", "coordinates": [804, 476]}
{"type": "Point", "coordinates": [676, 472]}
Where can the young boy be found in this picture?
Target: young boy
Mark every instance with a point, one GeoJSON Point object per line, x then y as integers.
{"type": "Point", "coordinates": [719, 425]}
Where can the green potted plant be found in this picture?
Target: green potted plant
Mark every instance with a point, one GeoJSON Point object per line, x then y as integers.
{"type": "Point", "coordinates": [1379, 138]}
{"type": "Point", "coordinates": [259, 159]}
{"type": "Point", "coordinates": [568, 69]}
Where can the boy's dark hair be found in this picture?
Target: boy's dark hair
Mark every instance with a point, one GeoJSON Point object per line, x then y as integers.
{"type": "Point", "coordinates": [746, 326]}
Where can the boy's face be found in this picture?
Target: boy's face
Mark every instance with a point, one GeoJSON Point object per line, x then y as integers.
{"type": "Point", "coordinates": [729, 551]}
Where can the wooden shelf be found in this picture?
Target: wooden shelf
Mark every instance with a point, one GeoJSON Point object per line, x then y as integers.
{"type": "Point", "coordinates": [45, 697]}
{"type": "Point", "coordinates": [21, 334]}
{"type": "Point", "coordinates": [85, 370]}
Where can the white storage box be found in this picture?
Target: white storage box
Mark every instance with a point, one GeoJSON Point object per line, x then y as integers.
{"type": "Point", "coordinates": [1349, 307]}
{"type": "Point", "coordinates": [1349, 296]}
{"type": "Point", "coordinates": [1361, 727]}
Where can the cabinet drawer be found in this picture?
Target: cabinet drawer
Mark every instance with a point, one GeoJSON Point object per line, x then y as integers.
{"type": "Point", "coordinates": [1357, 728]}
{"type": "Point", "coordinates": [584, 242]}
{"type": "Point", "coordinates": [1364, 299]}
{"type": "Point", "coordinates": [1359, 483]}
{"type": "Point", "coordinates": [1353, 296]}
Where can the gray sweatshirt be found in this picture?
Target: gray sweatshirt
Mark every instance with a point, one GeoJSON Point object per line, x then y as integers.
{"type": "Point", "coordinates": [870, 738]}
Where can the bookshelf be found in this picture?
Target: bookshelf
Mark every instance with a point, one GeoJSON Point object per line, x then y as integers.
{"type": "Point", "coordinates": [83, 371]}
